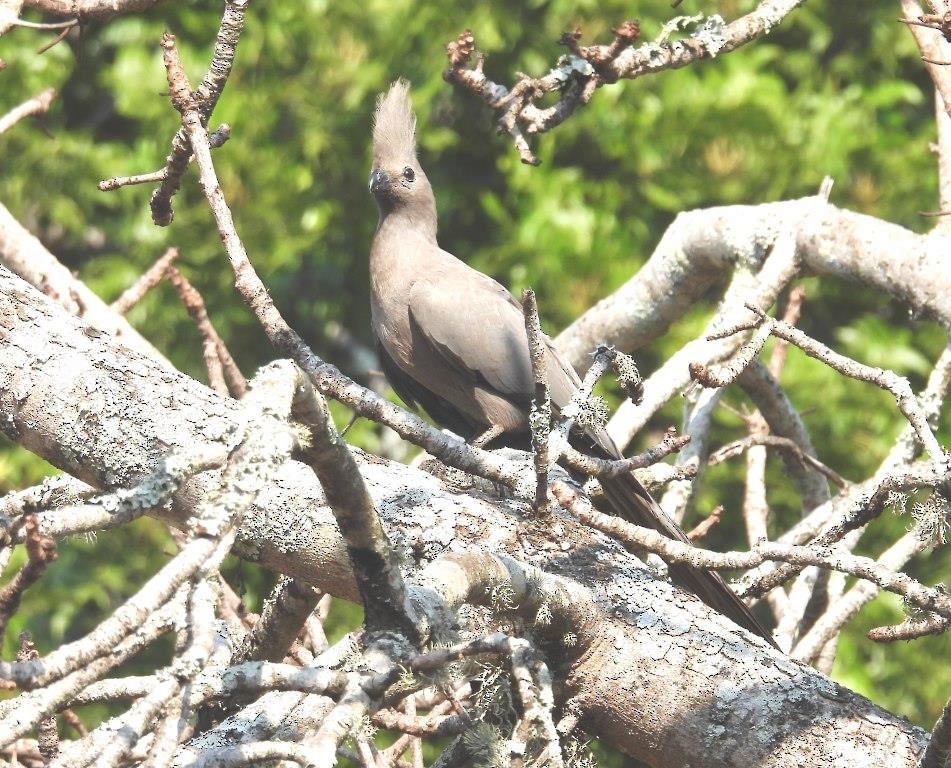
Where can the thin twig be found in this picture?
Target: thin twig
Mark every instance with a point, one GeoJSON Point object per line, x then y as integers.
{"type": "Point", "coordinates": [704, 527]}
{"type": "Point", "coordinates": [737, 447]}
{"type": "Point", "coordinates": [598, 467]}
{"type": "Point", "coordinates": [149, 279]}
{"type": "Point", "coordinates": [888, 380]}
{"type": "Point", "coordinates": [909, 630]}
{"type": "Point", "coordinates": [38, 105]}
{"type": "Point", "coordinates": [218, 358]}
{"type": "Point", "coordinates": [216, 138]}
{"type": "Point", "coordinates": [927, 598]}
{"type": "Point", "coordinates": [777, 358]}
{"type": "Point", "coordinates": [41, 551]}
{"type": "Point", "coordinates": [723, 375]}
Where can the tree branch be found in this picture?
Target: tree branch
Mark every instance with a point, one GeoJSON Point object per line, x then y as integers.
{"type": "Point", "coordinates": [702, 246]}
{"type": "Point", "coordinates": [576, 77]}
{"type": "Point", "coordinates": [290, 529]}
{"type": "Point", "coordinates": [38, 105]}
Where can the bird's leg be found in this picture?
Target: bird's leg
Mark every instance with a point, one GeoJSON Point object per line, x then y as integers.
{"type": "Point", "coordinates": [488, 436]}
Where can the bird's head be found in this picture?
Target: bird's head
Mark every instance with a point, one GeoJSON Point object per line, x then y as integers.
{"type": "Point", "coordinates": [397, 180]}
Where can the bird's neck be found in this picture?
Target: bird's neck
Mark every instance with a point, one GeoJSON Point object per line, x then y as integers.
{"type": "Point", "coordinates": [418, 219]}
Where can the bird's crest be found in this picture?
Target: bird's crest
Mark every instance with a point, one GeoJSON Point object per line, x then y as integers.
{"type": "Point", "coordinates": [394, 126]}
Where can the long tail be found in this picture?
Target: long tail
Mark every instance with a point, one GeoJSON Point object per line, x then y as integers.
{"type": "Point", "coordinates": [630, 501]}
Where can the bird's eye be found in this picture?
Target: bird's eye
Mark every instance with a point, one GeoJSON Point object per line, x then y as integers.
{"type": "Point", "coordinates": [409, 174]}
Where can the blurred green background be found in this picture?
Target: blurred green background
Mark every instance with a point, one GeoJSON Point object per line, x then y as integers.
{"type": "Point", "coordinates": [837, 89]}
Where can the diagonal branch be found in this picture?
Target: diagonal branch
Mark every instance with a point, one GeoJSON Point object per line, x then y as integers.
{"type": "Point", "coordinates": [204, 98]}
{"type": "Point", "coordinates": [375, 565]}
{"type": "Point", "coordinates": [146, 282]}
{"type": "Point", "coordinates": [218, 358]}
{"type": "Point", "coordinates": [890, 381]}
{"type": "Point", "coordinates": [38, 105]}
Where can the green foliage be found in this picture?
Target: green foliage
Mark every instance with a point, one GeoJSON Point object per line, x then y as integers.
{"type": "Point", "coordinates": [836, 90]}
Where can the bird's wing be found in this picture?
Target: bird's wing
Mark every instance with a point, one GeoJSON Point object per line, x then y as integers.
{"type": "Point", "coordinates": [477, 330]}
{"type": "Point", "coordinates": [415, 394]}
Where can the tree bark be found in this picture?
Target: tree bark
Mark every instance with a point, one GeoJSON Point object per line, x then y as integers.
{"type": "Point", "coordinates": [703, 247]}
{"type": "Point", "coordinates": [661, 677]}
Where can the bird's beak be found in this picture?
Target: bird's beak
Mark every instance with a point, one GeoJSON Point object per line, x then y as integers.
{"type": "Point", "coordinates": [378, 181]}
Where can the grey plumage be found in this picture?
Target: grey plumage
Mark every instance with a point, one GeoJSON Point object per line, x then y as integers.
{"type": "Point", "coordinates": [453, 341]}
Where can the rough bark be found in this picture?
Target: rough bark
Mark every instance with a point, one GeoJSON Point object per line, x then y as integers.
{"type": "Point", "coordinates": [661, 677]}
{"type": "Point", "coordinates": [24, 254]}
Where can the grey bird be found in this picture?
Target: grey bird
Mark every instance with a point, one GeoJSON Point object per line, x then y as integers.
{"type": "Point", "coordinates": [452, 340]}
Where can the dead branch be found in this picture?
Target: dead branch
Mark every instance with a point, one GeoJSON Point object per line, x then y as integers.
{"type": "Point", "coordinates": [216, 138]}
{"type": "Point", "coordinates": [149, 279]}
{"type": "Point", "coordinates": [38, 105]}
{"type": "Point", "coordinates": [777, 359]}
{"type": "Point", "coordinates": [223, 371]}
{"type": "Point", "coordinates": [41, 551]}
{"type": "Point", "coordinates": [760, 286]}
{"type": "Point", "coordinates": [700, 247]}
{"type": "Point", "coordinates": [88, 9]}
{"type": "Point", "coordinates": [577, 76]}
{"type": "Point", "coordinates": [909, 630]}
{"type": "Point", "coordinates": [859, 505]}
{"type": "Point", "coordinates": [202, 101]}
{"type": "Point", "coordinates": [939, 747]}
{"type": "Point", "coordinates": [304, 540]}
{"type": "Point", "coordinates": [784, 420]}
{"type": "Point", "coordinates": [701, 529]}
{"type": "Point", "coordinates": [540, 418]}
{"type": "Point", "coordinates": [638, 537]}
{"type": "Point", "coordinates": [598, 467]}
{"type": "Point", "coordinates": [296, 526]}
{"type": "Point", "coordinates": [897, 385]}
{"type": "Point", "coordinates": [289, 605]}
{"type": "Point", "coordinates": [772, 441]}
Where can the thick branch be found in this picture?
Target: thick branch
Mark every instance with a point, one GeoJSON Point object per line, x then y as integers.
{"type": "Point", "coordinates": [89, 9]}
{"type": "Point", "coordinates": [703, 246]}
{"type": "Point", "coordinates": [940, 745]}
{"type": "Point", "coordinates": [25, 255]}
{"type": "Point", "coordinates": [374, 562]}
{"type": "Point", "coordinates": [290, 528]}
